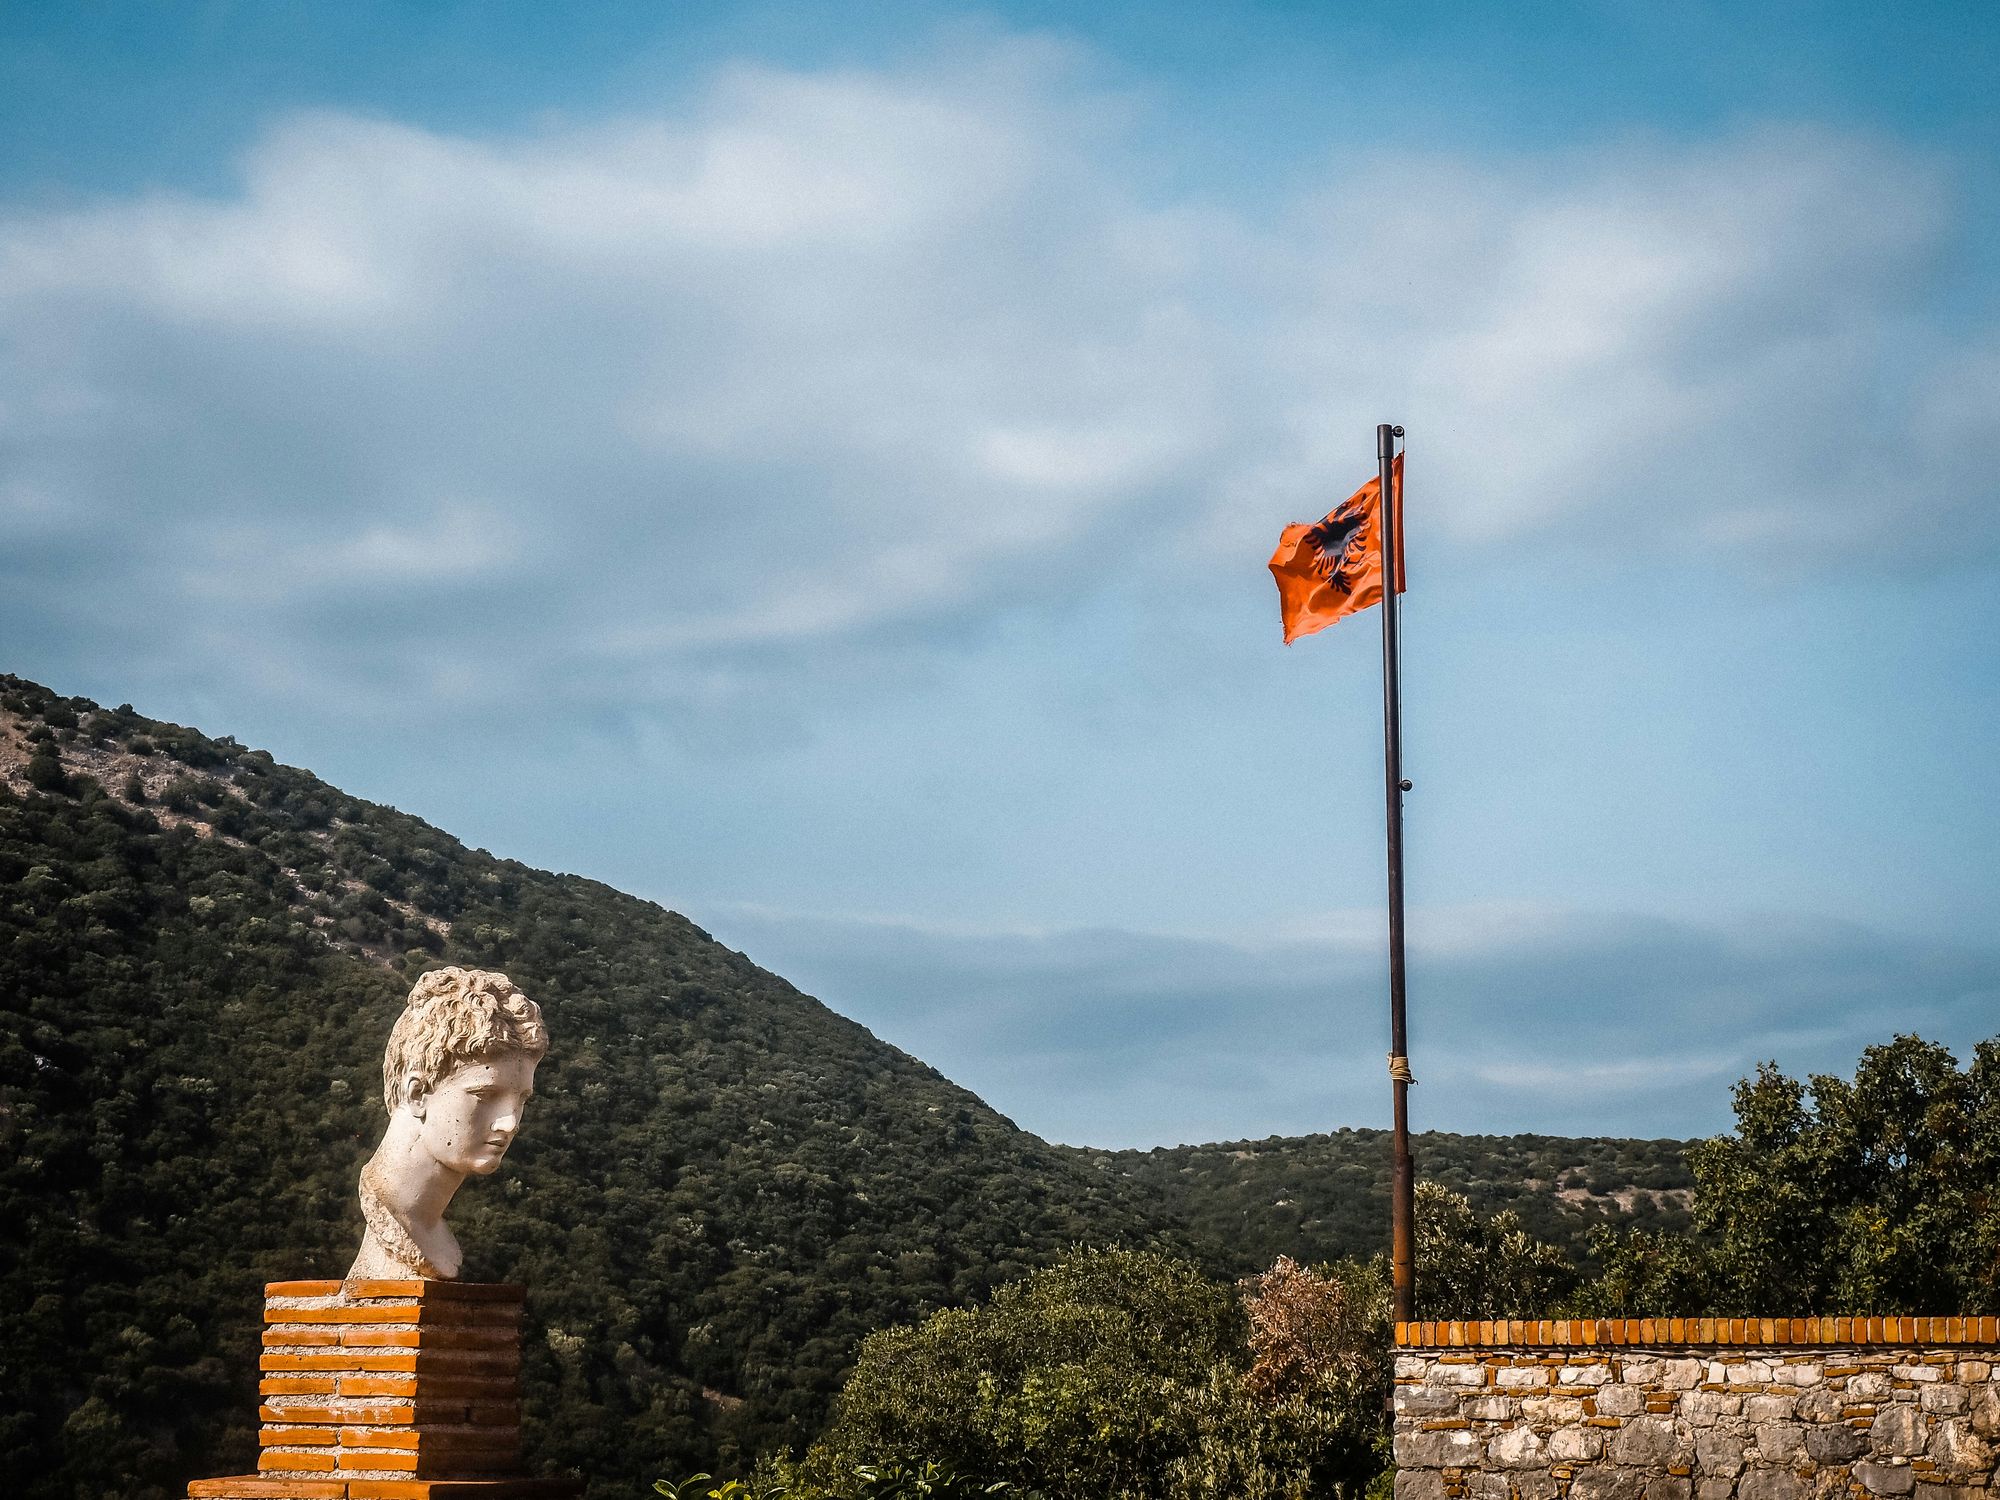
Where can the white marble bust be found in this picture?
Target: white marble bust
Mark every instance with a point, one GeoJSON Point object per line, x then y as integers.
{"type": "Point", "coordinates": [459, 1071]}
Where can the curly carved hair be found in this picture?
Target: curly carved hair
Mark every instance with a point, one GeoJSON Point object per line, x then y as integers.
{"type": "Point", "coordinates": [456, 1016]}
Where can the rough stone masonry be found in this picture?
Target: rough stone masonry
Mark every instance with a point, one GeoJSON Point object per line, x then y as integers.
{"type": "Point", "coordinates": [1698, 1409]}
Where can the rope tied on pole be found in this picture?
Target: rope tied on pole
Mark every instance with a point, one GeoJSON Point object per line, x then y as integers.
{"type": "Point", "coordinates": [1399, 1069]}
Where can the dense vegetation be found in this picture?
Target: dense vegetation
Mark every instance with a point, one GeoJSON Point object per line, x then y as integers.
{"type": "Point", "coordinates": [724, 1188]}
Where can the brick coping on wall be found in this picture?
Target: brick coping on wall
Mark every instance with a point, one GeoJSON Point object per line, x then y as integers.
{"type": "Point", "coordinates": [1578, 1333]}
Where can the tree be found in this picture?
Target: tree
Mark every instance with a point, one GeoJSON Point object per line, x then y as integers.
{"type": "Point", "coordinates": [1473, 1267]}
{"type": "Point", "coordinates": [1877, 1196]}
{"type": "Point", "coordinates": [1080, 1379]}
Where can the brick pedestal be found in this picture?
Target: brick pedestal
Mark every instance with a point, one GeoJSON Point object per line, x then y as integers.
{"type": "Point", "coordinates": [389, 1390]}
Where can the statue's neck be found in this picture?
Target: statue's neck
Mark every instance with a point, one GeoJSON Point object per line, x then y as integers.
{"type": "Point", "coordinates": [415, 1187]}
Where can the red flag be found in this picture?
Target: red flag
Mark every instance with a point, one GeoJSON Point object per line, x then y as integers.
{"type": "Point", "coordinates": [1334, 569]}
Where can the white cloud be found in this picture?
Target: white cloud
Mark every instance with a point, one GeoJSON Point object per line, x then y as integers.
{"type": "Point", "coordinates": [825, 357]}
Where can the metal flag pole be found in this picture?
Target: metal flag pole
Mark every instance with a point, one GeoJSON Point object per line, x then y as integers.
{"type": "Point", "coordinates": [1402, 1208]}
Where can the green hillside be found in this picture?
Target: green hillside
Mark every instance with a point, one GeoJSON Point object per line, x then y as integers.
{"type": "Point", "coordinates": [722, 1187]}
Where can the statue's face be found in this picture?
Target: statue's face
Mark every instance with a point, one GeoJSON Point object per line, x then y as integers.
{"type": "Point", "coordinates": [470, 1119]}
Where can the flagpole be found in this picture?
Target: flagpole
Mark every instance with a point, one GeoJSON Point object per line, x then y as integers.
{"type": "Point", "coordinates": [1402, 1208]}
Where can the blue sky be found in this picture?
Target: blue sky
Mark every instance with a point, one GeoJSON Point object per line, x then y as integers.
{"type": "Point", "coordinates": [814, 468]}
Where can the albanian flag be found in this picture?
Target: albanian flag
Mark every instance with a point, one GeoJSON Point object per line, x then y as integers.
{"type": "Point", "coordinates": [1334, 569]}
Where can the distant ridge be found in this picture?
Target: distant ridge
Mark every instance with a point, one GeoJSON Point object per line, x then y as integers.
{"type": "Point", "coordinates": [723, 1186]}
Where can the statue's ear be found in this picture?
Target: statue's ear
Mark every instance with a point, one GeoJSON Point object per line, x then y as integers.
{"type": "Point", "coordinates": [416, 1094]}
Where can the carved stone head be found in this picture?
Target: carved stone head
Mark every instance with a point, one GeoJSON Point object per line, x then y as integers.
{"type": "Point", "coordinates": [457, 1019]}
{"type": "Point", "coordinates": [457, 1076]}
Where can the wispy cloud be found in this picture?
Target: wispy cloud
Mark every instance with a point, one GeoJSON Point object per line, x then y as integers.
{"type": "Point", "coordinates": [821, 359]}
{"type": "Point", "coordinates": [1585, 1023]}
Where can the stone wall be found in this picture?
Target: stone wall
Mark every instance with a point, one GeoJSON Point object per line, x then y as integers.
{"type": "Point", "coordinates": [1763, 1409]}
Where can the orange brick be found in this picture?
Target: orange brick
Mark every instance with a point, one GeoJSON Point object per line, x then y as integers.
{"type": "Point", "coordinates": [377, 1458]}
{"type": "Point", "coordinates": [311, 1463]}
{"type": "Point", "coordinates": [396, 1312]}
{"type": "Point", "coordinates": [296, 1437]}
{"type": "Point", "coordinates": [375, 1416]}
{"type": "Point", "coordinates": [291, 1337]}
{"type": "Point", "coordinates": [386, 1288]}
{"type": "Point", "coordinates": [362, 1437]}
{"type": "Point", "coordinates": [302, 1289]}
{"type": "Point", "coordinates": [357, 1362]}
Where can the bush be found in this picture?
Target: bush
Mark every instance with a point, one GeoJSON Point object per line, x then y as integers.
{"type": "Point", "coordinates": [45, 772]}
{"type": "Point", "coordinates": [1125, 1374]}
{"type": "Point", "coordinates": [1080, 1378]}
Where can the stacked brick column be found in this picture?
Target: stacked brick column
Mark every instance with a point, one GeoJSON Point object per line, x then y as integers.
{"type": "Point", "coordinates": [391, 1379]}
{"type": "Point", "coordinates": [388, 1390]}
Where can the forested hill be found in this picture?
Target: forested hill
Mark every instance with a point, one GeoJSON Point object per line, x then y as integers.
{"type": "Point", "coordinates": [1321, 1197]}
{"type": "Point", "coordinates": [721, 1187]}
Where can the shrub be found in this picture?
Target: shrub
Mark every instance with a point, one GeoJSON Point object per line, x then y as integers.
{"type": "Point", "coordinates": [45, 772]}
{"type": "Point", "coordinates": [1124, 1374]}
